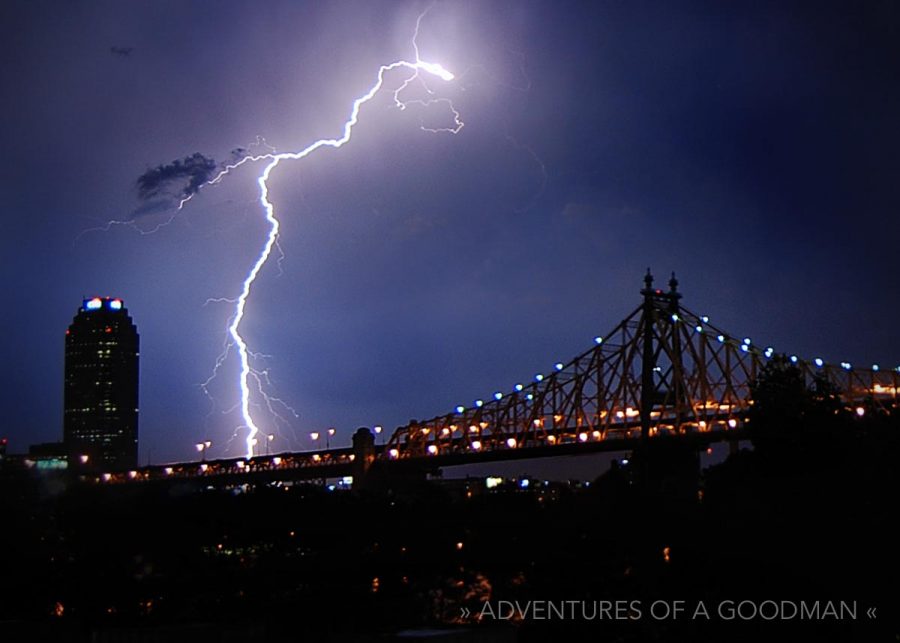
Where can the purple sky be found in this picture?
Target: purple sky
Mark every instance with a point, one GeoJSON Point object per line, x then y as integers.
{"type": "Point", "coordinates": [751, 147]}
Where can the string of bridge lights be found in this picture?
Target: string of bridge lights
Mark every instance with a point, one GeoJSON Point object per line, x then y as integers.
{"type": "Point", "coordinates": [746, 345]}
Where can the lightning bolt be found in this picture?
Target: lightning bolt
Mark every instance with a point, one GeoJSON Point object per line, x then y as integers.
{"type": "Point", "coordinates": [418, 67]}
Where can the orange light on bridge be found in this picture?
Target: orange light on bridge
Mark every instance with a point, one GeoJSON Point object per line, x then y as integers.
{"type": "Point", "coordinates": [551, 439]}
{"type": "Point", "coordinates": [168, 471]}
{"type": "Point", "coordinates": [596, 435]}
{"type": "Point", "coordinates": [432, 449]}
{"type": "Point", "coordinates": [204, 467]}
{"type": "Point", "coordinates": [276, 461]}
{"type": "Point", "coordinates": [582, 437]}
{"type": "Point", "coordinates": [476, 445]}
{"type": "Point", "coordinates": [316, 457]}
{"type": "Point", "coordinates": [394, 454]}
{"type": "Point", "coordinates": [860, 411]}
{"type": "Point", "coordinates": [732, 423]}
{"type": "Point", "coordinates": [511, 443]}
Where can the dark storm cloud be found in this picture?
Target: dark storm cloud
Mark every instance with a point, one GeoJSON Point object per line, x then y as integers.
{"type": "Point", "coordinates": [178, 179]}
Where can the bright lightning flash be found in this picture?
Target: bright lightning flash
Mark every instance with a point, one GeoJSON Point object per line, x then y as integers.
{"type": "Point", "coordinates": [273, 159]}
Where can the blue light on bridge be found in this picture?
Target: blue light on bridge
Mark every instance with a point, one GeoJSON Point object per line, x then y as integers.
{"type": "Point", "coordinates": [721, 338]}
{"type": "Point", "coordinates": [874, 367]}
{"type": "Point", "coordinates": [704, 319]}
{"type": "Point", "coordinates": [793, 359]}
{"type": "Point", "coordinates": [498, 395]}
{"type": "Point", "coordinates": [519, 387]}
{"type": "Point", "coordinates": [819, 362]}
{"type": "Point", "coordinates": [479, 403]}
{"type": "Point", "coordinates": [559, 366]}
{"type": "Point", "coordinates": [698, 328]}
{"type": "Point", "coordinates": [460, 409]}
{"type": "Point", "coordinates": [598, 340]}
{"type": "Point", "coordinates": [539, 377]}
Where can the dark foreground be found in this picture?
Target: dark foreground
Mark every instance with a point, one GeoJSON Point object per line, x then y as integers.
{"type": "Point", "coordinates": [803, 522]}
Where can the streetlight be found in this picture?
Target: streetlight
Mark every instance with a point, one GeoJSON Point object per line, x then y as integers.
{"type": "Point", "coordinates": [378, 431]}
{"type": "Point", "coordinates": [330, 434]}
{"type": "Point", "coordinates": [269, 438]}
{"type": "Point", "coordinates": [202, 448]}
{"type": "Point", "coordinates": [315, 438]}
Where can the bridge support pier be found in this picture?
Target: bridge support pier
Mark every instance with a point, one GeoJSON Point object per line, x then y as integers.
{"type": "Point", "coordinates": [363, 456]}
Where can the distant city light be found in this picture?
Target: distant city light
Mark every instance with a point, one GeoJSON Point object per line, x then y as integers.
{"type": "Point", "coordinates": [115, 304]}
{"type": "Point", "coordinates": [93, 304]}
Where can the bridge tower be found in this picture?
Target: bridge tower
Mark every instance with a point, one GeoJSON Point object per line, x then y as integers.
{"type": "Point", "coordinates": [659, 311]}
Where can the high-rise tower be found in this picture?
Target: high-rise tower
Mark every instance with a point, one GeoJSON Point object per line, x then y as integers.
{"type": "Point", "coordinates": [100, 422]}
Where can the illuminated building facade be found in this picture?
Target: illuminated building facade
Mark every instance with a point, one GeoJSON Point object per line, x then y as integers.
{"type": "Point", "coordinates": [100, 422]}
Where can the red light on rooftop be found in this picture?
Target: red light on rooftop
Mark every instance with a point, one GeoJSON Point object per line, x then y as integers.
{"type": "Point", "coordinates": [108, 329]}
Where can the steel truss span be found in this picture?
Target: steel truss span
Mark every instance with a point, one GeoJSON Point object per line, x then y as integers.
{"type": "Point", "coordinates": [663, 370]}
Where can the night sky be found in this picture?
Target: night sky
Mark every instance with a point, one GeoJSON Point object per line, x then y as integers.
{"type": "Point", "coordinates": [752, 147]}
